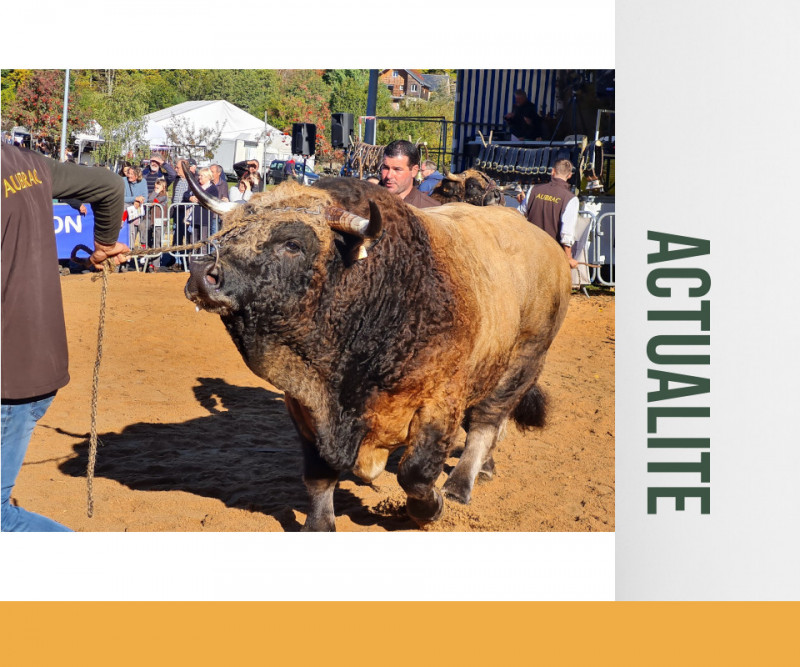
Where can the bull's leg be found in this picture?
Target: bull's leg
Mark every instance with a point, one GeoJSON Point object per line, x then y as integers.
{"type": "Point", "coordinates": [417, 473]}
{"type": "Point", "coordinates": [487, 469]}
{"type": "Point", "coordinates": [488, 423]}
{"type": "Point", "coordinates": [476, 458]}
{"type": "Point", "coordinates": [320, 480]}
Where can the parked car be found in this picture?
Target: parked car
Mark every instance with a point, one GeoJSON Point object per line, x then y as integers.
{"type": "Point", "coordinates": [276, 174]}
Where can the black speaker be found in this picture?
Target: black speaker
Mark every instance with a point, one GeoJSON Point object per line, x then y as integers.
{"type": "Point", "coordinates": [304, 138]}
{"type": "Point", "coordinates": [341, 129]}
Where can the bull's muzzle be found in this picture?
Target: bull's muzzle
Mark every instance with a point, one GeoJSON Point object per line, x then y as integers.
{"type": "Point", "coordinates": [205, 280]}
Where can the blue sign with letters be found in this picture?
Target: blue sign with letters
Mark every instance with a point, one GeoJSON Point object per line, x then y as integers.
{"type": "Point", "coordinates": [73, 228]}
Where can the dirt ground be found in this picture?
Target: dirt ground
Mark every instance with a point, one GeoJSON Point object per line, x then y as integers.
{"type": "Point", "coordinates": [191, 440]}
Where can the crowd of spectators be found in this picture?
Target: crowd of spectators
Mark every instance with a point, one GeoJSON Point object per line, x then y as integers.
{"type": "Point", "coordinates": [151, 191]}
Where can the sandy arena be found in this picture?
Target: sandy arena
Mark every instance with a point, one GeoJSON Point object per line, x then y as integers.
{"type": "Point", "coordinates": [191, 440]}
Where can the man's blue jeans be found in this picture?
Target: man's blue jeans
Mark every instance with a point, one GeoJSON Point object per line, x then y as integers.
{"type": "Point", "coordinates": [18, 421]}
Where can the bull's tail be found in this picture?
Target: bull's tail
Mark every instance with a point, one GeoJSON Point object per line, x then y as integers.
{"type": "Point", "coordinates": [531, 410]}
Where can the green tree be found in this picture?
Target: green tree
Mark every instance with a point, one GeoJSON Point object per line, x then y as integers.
{"type": "Point", "coordinates": [349, 89]}
{"type": "Point", "coordinates": [39, 104]}
{"type": "Point", "coordinates": [10, 80]}
{"type": "Point", "coordinates": [120, 113]}
{"type": "Point", "coordinates": [248, 89]}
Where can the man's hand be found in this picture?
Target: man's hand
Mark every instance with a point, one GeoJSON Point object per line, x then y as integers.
{"type": "Point", "coordinates": [82, 209]}
{"type": "Point", "coordinates": [573, 263]}
{"type": "Point", "coordinates": [102, 252]}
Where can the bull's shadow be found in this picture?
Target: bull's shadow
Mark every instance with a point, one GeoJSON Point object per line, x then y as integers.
{"type": "Point", "coordinates": [245, 453]}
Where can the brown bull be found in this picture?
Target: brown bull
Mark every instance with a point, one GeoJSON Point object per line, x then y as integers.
{"type": "Point", "coordinates": [387, 327]}
{"type": "Point", "coordinates": [471, 187]}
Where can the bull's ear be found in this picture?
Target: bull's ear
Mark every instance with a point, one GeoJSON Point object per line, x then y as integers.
{"type": "Point", "coordinates": [375, 222]}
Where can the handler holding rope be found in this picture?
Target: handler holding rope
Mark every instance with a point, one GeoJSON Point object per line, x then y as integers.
{"type": "Point", "coordinates": [34, 338]}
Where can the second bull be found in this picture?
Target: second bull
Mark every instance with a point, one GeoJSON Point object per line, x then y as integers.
{"type": "Point", "coordinates": [471, 187]}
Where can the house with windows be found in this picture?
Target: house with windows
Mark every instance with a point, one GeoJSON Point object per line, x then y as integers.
{"type": "Point", "coordinates": [404, 83]}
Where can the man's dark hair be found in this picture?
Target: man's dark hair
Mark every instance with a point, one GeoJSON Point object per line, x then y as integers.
{"type": "Point", "coordinates": [401, 147]}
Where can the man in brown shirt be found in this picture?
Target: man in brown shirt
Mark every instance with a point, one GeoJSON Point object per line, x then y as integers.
{"type": "Point", "coordinates": [34, 338]}
{"type": "Point", "coordinates": [399, 168]}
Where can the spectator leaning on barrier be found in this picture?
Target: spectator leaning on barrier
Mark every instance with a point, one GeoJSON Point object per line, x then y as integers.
{"type": "Point", "coordinates": [201, 224]}
{"type": "Point", "coordinates": [34, 338]}
{"type": "Point", "coordinates": [180, 185]}
{"type": "Point", "coordinates": [135, 187]}
{"type": "Point", "coordinates": [135, 196]}
{"type": "Point", "coordinates": [554, 208]}
{"type": "Point", "coordinates": [157, 169]}
{"type": "Point", "coordinates": [218, 179]}
{"type": "Point", "coordinates": [178, 213]}
{"type": "Point", "coordinates": [156, 215]}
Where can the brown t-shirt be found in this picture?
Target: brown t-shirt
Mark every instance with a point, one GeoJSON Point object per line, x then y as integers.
{"type": "Point", "coordinates": [420, 199]}
{"type": "Point", "coordinates": [34, 340]}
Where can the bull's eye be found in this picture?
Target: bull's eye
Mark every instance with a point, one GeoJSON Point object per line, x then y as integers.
{"type": "Point", "coordinates": [290, 248]}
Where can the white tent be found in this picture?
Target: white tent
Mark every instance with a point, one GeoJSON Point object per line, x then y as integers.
{"type": "Point", "coordinates": [207, 113]}
{"type": "Point", "coordinates": [243, 136]}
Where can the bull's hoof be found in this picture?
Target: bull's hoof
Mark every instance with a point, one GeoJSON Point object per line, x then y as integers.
{"type": "Point", "coordinates": [425, 511]}
{"type": "Point", "coordinates": [319, 525]}
{"type": "Point", "coordinates": [487, 471]}
{"type": "Point", "coordinates": [458, 489]}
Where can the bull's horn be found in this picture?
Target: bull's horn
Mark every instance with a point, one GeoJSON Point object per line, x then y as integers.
{"type": "Point", "coordinates": [458, 178]}
{"type": "Point", "coordinates": [206, 201]}
{"type": "Point", "coordinates": [349, 223]}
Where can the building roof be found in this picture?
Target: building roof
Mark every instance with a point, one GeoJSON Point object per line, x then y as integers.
{"type": "Point", "coordinates": [437, 81]}
{"type": "Point", "coordinates": [414, 73]}
{"type": "Point", "coordinates": [419, 76]}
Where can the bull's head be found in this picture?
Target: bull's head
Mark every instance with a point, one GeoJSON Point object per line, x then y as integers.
{"type": "Point", "coordinates": [269, 259]}
{"type": "Point", "coordinates": [472, 186]}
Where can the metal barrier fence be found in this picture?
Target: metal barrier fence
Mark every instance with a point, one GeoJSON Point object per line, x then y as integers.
{"type": "Point", "coordinates": [602, 250]}
{"type": "Point", "coordinates": [598, 236]}
{"type": "Point", "coordinates": [185, 223]}
{"type": "Point", "coordinates": [182, 223]}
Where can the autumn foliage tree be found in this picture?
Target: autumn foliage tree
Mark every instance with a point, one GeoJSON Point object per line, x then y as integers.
{"type": "Point", "coordinates": [302, 98]}
{"type": "Point", "coordinates": [38, 106]}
